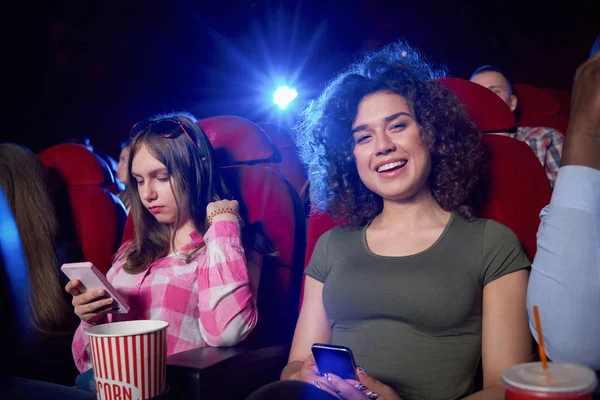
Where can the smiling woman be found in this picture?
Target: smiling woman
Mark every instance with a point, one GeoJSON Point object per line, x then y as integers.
{"type": "Point", "coordinates": [387, 127]}
{"type": "Point", "coordinates": [451, 138]}
{"type": "Point", "coordinates": [418, 287]}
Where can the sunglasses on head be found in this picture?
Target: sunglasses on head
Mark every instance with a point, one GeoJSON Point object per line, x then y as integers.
{"type": "Point", "coordinates": [166, 127]}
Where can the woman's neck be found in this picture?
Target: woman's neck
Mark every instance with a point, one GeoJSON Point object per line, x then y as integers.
{"type": "Point", "coordinates": [182, 236]}
{"type": "Point", "coordinates": [419, 211]}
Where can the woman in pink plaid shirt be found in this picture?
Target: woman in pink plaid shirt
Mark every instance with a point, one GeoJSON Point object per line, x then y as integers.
{"type": "Point", "coordinates": [186, 264]}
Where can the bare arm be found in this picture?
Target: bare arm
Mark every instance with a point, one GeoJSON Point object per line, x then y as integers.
{"type": "Point", "coordinates": [506, 339]}
{"type": "Point", "coordinates": [312, 327]}
{"type": "Point", "coordinates": [567, 263]}
{"type": "Point", "coordinates": [582, 141]}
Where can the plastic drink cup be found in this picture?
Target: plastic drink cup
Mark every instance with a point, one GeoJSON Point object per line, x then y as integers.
{"type": "Point", "coordinates": [129, 359]}
{"type": "Point", "coordinates": [559, 382]}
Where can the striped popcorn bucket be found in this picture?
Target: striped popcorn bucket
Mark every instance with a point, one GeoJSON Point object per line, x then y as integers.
{"type": "Point", "coordinates": [129, 359]}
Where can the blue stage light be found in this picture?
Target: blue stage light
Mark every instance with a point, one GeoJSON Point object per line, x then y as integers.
{"type": "Point", "coordinates": [283, 96]}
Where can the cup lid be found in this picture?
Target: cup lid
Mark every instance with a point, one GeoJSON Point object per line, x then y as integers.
{"type": "Point", "coordinates": [559, 377]}
{"type": "Point", "coordinates": [127, 328]}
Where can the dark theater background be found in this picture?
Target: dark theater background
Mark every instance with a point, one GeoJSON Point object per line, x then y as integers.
{"type": "Point", "coordinates": [95, 67]}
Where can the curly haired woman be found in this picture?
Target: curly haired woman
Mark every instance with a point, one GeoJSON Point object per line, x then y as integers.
{"type": "Point", "coordinates": [418, 287]}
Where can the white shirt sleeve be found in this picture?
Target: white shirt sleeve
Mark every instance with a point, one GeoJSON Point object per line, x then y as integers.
{"type": "Point", "coordinates": [565, 276]}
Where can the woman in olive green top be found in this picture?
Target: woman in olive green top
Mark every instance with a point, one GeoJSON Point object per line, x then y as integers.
{"type": "Point", "coordinates": [415, 285]}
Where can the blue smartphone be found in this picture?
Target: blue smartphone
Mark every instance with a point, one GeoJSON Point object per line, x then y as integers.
{"type": "Point", "coordinates": [337, 360]}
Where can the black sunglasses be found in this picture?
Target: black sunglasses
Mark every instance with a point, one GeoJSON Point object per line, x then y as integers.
{"type": "Point", "coordinates": [167, 128]}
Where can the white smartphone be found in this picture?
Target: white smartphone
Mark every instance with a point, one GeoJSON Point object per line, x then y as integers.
{"type": "Point", "coordinates": [91, 279]}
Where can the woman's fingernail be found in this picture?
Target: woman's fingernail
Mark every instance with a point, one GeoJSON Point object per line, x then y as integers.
{"type": "Point", "coordinates": [315, 383]}
{"type": "Point", "coordinates": [372, 395]}
{"type": "Point", "coordinates": [361, 370]}
{"type": "Point", "coordinates": [109, 300]}
{"type": "Point", "coordinates": [360, 387]}
{"type": "Point", "coordinates": [326, 377]}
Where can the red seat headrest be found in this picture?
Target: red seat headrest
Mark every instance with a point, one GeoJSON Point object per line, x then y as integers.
{"type": "Point", "coordinates": [541, 107]}
{"type": "Point", "coordinates": [564, 99]}
{"type": "Point", "coordinates": [534, 99]}
{"type": "Point", "coordinates": [238, 141]}
{"type": "Point", "coordinates": [485, 108]}
{"type": "Point", "coordinates": [76, 165]}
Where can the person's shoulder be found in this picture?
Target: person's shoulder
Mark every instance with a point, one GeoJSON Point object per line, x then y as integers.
{"type": "Point", "coordinates": [539, 132]}
{"type": "Point", "coordinates": [342, 232]}
{"type": "Point", "coordinates": [494, 231]}
{"type": "Point", "coordinates": [552, 133]}
{"type": "Point", "coordinates": [474, 224]}
{"type": "Point", "coordinates": [339, 236]}
{"type": "Point", "coordinates": [346, 229]}
{"type": "Point", "coordinates": [487, 228]}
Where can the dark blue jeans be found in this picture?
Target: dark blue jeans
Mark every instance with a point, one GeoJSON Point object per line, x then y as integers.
{"type": "Point", "coordinates": [85, 381]}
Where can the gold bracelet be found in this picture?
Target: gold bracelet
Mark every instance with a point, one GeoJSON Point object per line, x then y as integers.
{"type": "Point", "coordinates": [219, 211]}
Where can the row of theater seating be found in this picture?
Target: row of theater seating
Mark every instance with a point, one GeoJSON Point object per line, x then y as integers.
{"type": "Point", "coordinates": [259, 164]}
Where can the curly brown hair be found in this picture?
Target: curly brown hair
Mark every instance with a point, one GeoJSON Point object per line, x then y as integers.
{"type": "Point", "coordinates": [325, 142]}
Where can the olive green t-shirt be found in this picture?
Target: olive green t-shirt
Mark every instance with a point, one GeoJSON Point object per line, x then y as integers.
{"type": "Point", "coordinates": [414, 322]}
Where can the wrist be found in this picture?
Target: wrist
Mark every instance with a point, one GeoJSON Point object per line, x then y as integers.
{"type": "Point", "coordinates": [223, 214]}
{"type": "Point", "coordinates": [582, 128]}
{"type": "Point", "coordinates": [224, 217]}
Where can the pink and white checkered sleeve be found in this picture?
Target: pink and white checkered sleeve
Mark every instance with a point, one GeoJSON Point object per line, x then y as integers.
{"type": "Point", "coordinates": [227, 306]}
{"type": "Point", "coordinates": [80, 348]}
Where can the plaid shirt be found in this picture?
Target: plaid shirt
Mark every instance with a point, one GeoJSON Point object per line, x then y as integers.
{"type": "Point", "coordinates": [208, 302]}
{"type": "Point", "coordinates": [546, 144]}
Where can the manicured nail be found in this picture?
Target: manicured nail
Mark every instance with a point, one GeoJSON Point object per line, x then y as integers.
{"type": "Point", "coordinates": [361, 370]}
{"type": "Point", "coordinates": [108, 301]}
{"type": "Point", "coordinates": [360, 387]}
{"type": "Point", "coordinates": [326, 377]}
{"type": "Point", "coordinates": [315, 383]}
{"type": "Point", "coordinates": [372, 395]}
{"type": "Point", "coordinates": [100, 292]}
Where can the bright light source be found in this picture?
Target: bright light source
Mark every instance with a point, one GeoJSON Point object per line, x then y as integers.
{"type": "Point", "coordinates": [283, 96]}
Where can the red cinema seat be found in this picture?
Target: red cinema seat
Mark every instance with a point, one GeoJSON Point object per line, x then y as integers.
{"type": "Point", "coordinates": [564, 99]}
{"type": "Point", "coordinates": [513, 169]}
{"type": "Point", "coordinates": [275, 206]}
{"type": "Point", "coordinates": [238, 141]}
{"type": "Point", "coordinates": [539, 107]}
{"type": "Point", "coordinates": [246, 155]}
{"type": "Point", "coordinates": [518, 188]}
{"type": "Point", "coordinates": [534, 99]}
{"type": "Point", "coordinates": [290, 166]}
{"type": "Point", "coordinates": [80, 179]}
{"type": "Point", "coordinates": [489, 113]}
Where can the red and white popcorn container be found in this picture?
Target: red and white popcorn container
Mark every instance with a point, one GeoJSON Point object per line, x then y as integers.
{"type": "Point", "coordinates": [129, 359]}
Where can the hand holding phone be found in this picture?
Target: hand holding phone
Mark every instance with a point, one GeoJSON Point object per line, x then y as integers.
{"type": "Point", "coordinates": [337, 360]}
{"type": "Point", "coordinates": [90, 289]}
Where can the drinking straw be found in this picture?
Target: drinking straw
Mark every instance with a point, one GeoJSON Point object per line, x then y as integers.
{"type": "Point", "coordinates": [541, 347]}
